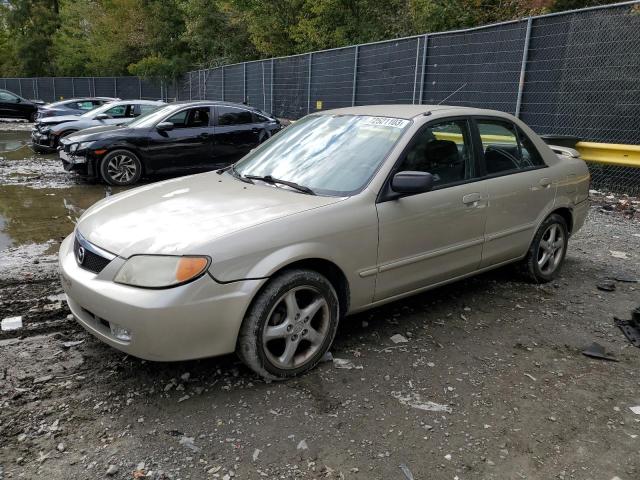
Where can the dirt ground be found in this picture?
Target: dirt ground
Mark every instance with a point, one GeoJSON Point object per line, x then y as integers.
{"type": "Point", "coordinates": [491, 383]}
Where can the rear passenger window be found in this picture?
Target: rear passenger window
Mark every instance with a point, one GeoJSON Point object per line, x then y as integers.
{"type": "Point", "coordinates": [444, 150]}
{"type": "Point", "coordinates": [192, 118]}
{"type": "Point", "coordinates": [506, 148]}
{"type": "Point", "coordinates": [233, 116]}
{"type": "Point", "coordinates": [86, 105]}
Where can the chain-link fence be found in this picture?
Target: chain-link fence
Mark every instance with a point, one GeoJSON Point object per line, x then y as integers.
{"type": "Point", "coordinates": [572, 73]}
{"type": "Point", "coordinates": [51, 89]}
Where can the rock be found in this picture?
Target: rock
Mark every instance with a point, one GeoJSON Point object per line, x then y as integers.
{"type": "Point", "coordinates": [61, 447]}
{"type": "Point", "coordinates": [213, 470]}
{"type": "Point", "coordinates": [302, 445]}
{"type": "Point", "coordinates": [397, 338]}
{"type": "Point", "coordinates": [22, 437]}
{"type": "Point", "coordinates": [187, 442]}
{"type": "Point", "coordinates": [11, 323]}
{"type": "Point", "coordinates": [447, 456]}
{"type": "Point", "coordinates": [43, 379]}
{"type": "Point", "coordinates": [185, 377]}
{"type": "Point", "coordinates": [111, 471]}
{"type": "Point", "coordinates": [256, 454]}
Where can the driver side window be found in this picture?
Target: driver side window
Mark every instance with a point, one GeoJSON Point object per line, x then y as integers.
{"type": "Point", "coordinates": [443, 150]}
{"type": "Point", "coordinates": [8, 97]}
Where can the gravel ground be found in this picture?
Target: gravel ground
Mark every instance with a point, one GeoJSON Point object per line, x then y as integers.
{"type": "Point", "coordinates": [490, 384]}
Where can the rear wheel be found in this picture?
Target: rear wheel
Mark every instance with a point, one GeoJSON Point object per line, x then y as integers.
{"type": "Point", "coordinates": [290, 325]}
{"type": "Point", "coordinates": [121, 167]}
{"type": "Point", "coordinates": [548, 249]}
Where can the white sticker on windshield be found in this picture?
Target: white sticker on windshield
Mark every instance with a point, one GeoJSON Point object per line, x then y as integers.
{"type": "Point", "coordinates": [387, 122]}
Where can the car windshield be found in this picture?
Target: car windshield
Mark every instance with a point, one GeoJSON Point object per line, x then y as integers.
{"type": "Point", "coordinates": [150, 119]}
{"type": "Point", "coordinates": [330, 154]}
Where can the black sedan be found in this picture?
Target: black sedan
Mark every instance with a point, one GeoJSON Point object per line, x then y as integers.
{"type": "Point", "coordinates": [72, 106]}
{"type": "Point", "coordinates": [184, 137]}
{"type": "Point", "coordinates": [14, 106]}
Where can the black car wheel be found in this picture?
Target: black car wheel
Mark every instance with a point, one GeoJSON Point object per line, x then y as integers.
{"type": "Point", "coordinates": [33, 117]}
{"type": "Point", "coordinates": [290, 325]}
{"type": "Point", "coordinates": [121, 167]}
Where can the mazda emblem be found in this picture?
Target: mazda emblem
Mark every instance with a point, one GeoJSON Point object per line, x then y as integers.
{"type": "Point", "coordinates": [80, 255]}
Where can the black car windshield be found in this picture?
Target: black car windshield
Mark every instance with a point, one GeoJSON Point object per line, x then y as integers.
{"type": "Point", "coordinates": [330, 154]}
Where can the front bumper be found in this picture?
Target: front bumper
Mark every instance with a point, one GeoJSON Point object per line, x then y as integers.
{"type": "Point", "coordinates": [43, 141]}
{"type": "Point", "coordinates": [196, 320]}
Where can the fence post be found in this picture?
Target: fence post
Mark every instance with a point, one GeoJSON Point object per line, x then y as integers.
{"type": "Point", "coordinates": [523, 67]}
{"type": "Point", "coordinates": [264, 93]}
{"type": "Point", "coordinates": [115, 87]}
{"type": "Point", "coordinates": [415, 72]}
{"type": "Point", "coordinates": [53, 81]}
{"type": "Point", "coordinates": [271, 99]}
{"type": "Point", "coordinates": [93, 82]}
{"type": "Point", "coordinates": [355, 75]}
{"type": "Point", "coordinates": [36, 89]}
{"type": "Point", "coordinates": [223, 83]}
{"type": "Point", "coordinates": [424, 65]}
{"type": "Point", "coordinates": [139, 88]}
{"type": "Point", "coordinates": [20, 86]}
{"type": "Point", "coordinates": [73, 87]}
{"type": "Point", "coordinates": [189, 85]}
{"type": "Point", "coordinates": [244, 82]}
{"type": "Point", "coordinates": [309, 85]}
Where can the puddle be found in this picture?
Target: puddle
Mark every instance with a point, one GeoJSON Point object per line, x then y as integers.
{"type": "Point", "coordinates": [37, 215]}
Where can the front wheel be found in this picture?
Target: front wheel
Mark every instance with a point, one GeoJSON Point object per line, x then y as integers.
{"type": "Point", "coordinates": [548, 249]}
{"type": "Point", "coordinates": [120, 168]}
{"type": "Point", "coordinates": [290, 325]}
{"type": "Point", "coordinates": [33, 117]}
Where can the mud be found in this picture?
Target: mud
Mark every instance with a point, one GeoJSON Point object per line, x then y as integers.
{"type": "Point", "coordinates": [491, 383]}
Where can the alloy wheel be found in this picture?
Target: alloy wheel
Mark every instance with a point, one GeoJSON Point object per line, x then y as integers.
{"type": "Point", "coordinates": [296, 327]}
{"type": "Point", "coordinates": [121, 168]}
{"type": "Point", "coordinates": [551, 249]}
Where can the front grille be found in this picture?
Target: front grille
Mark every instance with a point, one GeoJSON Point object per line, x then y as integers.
{"type": "Point", "coordinates": [89, 260]}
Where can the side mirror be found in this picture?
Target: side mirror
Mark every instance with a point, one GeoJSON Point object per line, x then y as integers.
{"type": "Point", "coordinates": [164, 126]}
{"type": "Point", "coordinates": [410, 182]}
{"type": "Point", "coordinates": [102, 116]}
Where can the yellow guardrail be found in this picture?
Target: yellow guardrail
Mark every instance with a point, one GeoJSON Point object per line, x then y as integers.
{"type": "Point", "coordinates": [604, 153]}
{"type": "Point", "coordinates": [610, 153]}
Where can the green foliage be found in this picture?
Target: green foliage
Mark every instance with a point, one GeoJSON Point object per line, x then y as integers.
{"type": "Point", "coordinates": [161, 39]}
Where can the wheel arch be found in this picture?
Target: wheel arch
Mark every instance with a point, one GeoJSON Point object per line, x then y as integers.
{"type": "Point", "coordinates": [567, 214]}
{"type": "Point", "coordinates": [128, 148]}
{"type": "Point", "coordinates": [329, 270]}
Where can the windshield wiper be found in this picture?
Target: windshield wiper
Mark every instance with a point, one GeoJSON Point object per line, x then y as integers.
{"type": "Point", "coordinates": [270, 179]}
{"type": "Point", "coordinates": [232, 170]}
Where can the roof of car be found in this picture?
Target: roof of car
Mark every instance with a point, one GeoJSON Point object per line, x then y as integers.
{"type": "Point", "coordinates": [79, 99]}
{"type": "Point", "coordinates": [405, 111]}
{"type": "Point", "coordinates": [137, 102]}
{"type": "Point", "coordinates": [212, 102]}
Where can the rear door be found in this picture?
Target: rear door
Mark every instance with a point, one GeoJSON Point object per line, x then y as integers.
{"type": "Point", "coordinates": [431, 237]}
{"type": "Point", "coordinates": [187, 146]}
{"type": "Point", "coordinates": [237, 132]}
{"type": "Point", "coordinates": [519, 186]}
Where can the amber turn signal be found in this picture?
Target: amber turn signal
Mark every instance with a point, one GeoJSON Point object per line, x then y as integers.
{"type": "Point", "coordinates": [189, 267]}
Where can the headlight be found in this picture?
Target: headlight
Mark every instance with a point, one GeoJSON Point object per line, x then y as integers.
{"type": "Point", "coordinates": [74, 147]}
{"type": "Point", "coordinates": [161, 271]}
{"type": "Point", "coordinates": [83, 145]}
{"type": "Point", "coordinates": [45, 130]}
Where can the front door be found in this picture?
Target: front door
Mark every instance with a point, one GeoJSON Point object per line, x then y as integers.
{"type": "Point", "coordinates": [520, 189]}
{"type": "Point", "coordinates": [438, 235]}
{"type": "Point", "coordinates": [187, 147]}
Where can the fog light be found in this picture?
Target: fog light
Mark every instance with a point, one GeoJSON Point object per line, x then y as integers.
{"type": "Point", "coordinates": [119, 332]}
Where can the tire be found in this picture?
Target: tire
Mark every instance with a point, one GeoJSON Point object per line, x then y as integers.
{"type": "Point", "coordinates": [544, 260]}
{"type": "Point", "coordinates": [278, 312]}
{"type": "Point", "coordinates": [33, 117]}
{"type": "Point", "coordinates": [121, 168]}
{"type": "Point", "coordinates": [264, 136]}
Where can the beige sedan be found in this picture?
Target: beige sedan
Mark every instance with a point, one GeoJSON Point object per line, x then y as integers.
{"type": "Point", "coordinates": [341, 212]}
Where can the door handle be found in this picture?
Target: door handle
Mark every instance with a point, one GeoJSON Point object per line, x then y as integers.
{"type": "Point", "coordinates": [255, 130]}
{"type": "Point", "coordinates": [545, 182]}
{"type": "Point", "coordinates": [471, 198]}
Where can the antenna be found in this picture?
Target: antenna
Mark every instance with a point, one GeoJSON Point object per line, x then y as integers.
{"type": "Point", "coordinates": [445, 99]}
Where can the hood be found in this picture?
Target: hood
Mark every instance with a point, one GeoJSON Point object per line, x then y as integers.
{"type": "Point", "coordinates": [184, 215]}
{"type": "Point", "coordinates": [96, 133]}
{"type": "Point", "coordinates": [48, 121]}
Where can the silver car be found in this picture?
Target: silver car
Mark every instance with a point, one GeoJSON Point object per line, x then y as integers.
{"type": "Point", "coordinates": [343, 211]}
{"type": "Point", "coordinates": [47, 132]}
